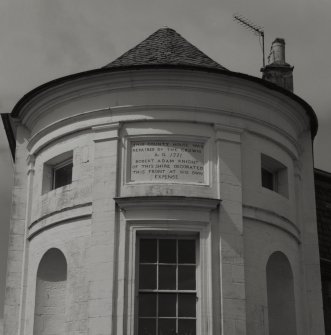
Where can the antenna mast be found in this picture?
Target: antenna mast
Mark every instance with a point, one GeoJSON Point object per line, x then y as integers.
{"type": "Point", "coordinates": [258, 30]}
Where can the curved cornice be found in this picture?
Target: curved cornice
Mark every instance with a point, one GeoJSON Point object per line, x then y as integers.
{"type": "Point", "coordinates": [62, 216]}
{"type": "Point", "coordinates": [84, 123]}
{"type": "Point", "coordinates": [270, 86]}
{"type": "Point", "coordinates": [257, 214]}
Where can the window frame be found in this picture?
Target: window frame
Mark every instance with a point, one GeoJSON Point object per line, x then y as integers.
{"type": "Point", "coordinates": [279, 172]}
{"type": "Point", "coordinates": [49, 167]}
{"type": "Point", "coordinates": [176, 237]}
{"type": "Point", "coordinates": [129, 288]}
{"type": "Point", "coordinates": [174, 216]}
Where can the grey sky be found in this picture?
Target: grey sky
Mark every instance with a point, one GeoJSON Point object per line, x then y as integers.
{"type": "Point", "coordinates": [45, 39]}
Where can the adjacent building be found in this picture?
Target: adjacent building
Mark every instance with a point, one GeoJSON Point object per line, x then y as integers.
{"type": "Point", "coordinates": [164, 194]}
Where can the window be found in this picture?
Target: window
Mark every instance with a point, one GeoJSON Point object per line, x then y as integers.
{"type": "Point", "coordinates": [62, 174]}
{"type": "Point", "coordinates": [274, 175]}
{"type": "Point", "coordinates": [269, 180]}
{"type": "Point", "coordinates": [57, 172]}
{"type": "Point", "coordinates": [167, 294]}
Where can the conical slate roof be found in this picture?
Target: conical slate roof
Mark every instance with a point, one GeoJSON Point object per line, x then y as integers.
{"type": "Point", "coordinates": [165, 47]}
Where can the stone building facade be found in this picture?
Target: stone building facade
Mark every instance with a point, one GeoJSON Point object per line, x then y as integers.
{"type": "Point", "coordinates": [163, 194]}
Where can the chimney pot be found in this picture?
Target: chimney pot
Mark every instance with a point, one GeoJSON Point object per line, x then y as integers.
{"type": "Point", "coordinates": [278, 51]}
{"type": "Point", "coordinates": [278, 71]}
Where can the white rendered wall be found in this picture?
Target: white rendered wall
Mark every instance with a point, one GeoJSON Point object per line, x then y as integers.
{"type": "Point", "coordinates": [50, 296]}
{"type": "Point", "coordinates": [93, 221]}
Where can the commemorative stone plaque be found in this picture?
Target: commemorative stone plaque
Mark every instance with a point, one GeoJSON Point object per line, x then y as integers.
{"type": "Point", "coordinates": [167, 161]}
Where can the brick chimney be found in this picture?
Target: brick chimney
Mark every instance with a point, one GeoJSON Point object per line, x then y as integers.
{"type": "Point", "coordinates": [278, 71]}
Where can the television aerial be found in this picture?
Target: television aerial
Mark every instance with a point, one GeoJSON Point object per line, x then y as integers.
{"type": "Point", "coordinates": [257, 30]}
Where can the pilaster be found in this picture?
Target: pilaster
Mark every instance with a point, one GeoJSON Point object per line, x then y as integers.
{"type": "Point", "coordinates": [102, 250]}
{"type": "Point", "coordinates": [231, 230]}
{"type": "Point", "coordinates": [13, 310]}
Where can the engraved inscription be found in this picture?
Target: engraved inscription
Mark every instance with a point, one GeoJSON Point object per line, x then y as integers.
{"type": "Point", "coordinates": [167, 161]}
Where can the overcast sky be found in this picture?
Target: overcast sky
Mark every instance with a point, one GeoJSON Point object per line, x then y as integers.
{"type": "Point", "coordinates": [45, 39]}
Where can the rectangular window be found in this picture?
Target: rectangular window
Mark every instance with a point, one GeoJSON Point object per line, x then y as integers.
{"type": "Point", "coordinates": [167, 294]}
{"type": "Point", "coordinates": [269, 179]}
{"type": "Point", "coordinates": [57, 172]}
{"type": "Point", "coordinates": [62, 174]}
{"type": "Point", "coordinates": [274, 175]}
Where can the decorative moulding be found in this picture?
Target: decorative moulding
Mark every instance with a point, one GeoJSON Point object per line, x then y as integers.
{"type": "Point", "coordinates": [226, 133]}
{"type": "Point", "coordinates": [65, 215]}
{"type": "Point", "coordinates": [126, 203]}
{"type": "Point", "coordinates": [271, 218]}
{"type": "Point", "coordinates": [106, 132]}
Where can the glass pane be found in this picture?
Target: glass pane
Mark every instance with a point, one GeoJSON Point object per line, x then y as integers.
{"type": "Point", "coordinates": [167, 327]}
{"type": "Point", "coordinates": [147, 304]}
{"type": "Point", "coordinates": [167, 251]}
{"type": "Point", "coordinates": [147, 276]}
{"type": "Point", "coordinates": [63, 175]}
{"type": "Point", "coordinates": [186, 277]}
{"type": "Point", "coordinates": [147, 327]}
{"type": "Point", "coordinates": [186, 251]}
{"type": "Point", "coordinates": [186, 327]}
{"type": "Point", "coordinates": [167, 304]}
{"type": "Point", "coordinates": [167, 277]}
{"type": "Point", "coordinates": [147, 251]}
{"type": "Point", "coordinates": [187, 305]}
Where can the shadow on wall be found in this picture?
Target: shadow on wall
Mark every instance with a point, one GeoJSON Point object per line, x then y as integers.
{"type": "Point", "coordinates": [49, 317]}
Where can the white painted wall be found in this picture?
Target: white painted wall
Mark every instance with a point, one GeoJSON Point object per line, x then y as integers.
{"type": "Point", "coordinates": [93, 220]}
{"type": "Point", "coordinates": [6, 180]}
{"type": "Point", "coordinates": [50, 296]}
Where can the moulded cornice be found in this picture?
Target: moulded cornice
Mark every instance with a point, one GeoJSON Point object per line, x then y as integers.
{"type": "Point", "coordinates": [70, 91]}
{"type": "Point", "coordinates": [89, 119]}
{"type": "Point", "coordinates": [105, 132]}
{"type": "Point", "coordinates": [293, 152]}
{"type": "Point", "coordinates": [244, 78]}
{"type": "Point", "coordinates": [229, 134]}
{"type": "Point", "coordinates": [65, 215]}
{"type": "Point", "coordinates": [173, 202]}
{"type": "Point", "coordinates": [62, 123]}
{"type": "Point", "coordinates": [105, 82]}
{"type": "Point", "coordinates": [271, 218]}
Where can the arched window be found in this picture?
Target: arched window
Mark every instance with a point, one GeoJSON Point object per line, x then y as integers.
{"type": "Point", "coordinates": [49, 316]}
{"type": "Point", "coordinates": [280, 290]}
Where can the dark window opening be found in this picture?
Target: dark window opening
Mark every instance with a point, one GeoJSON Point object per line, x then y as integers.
{"type": "Point", "coordinates": [268, 179]}
{"type": "Point", "coordinates": [62, 174]}
{"type": "Point", "coordinates": [274, 175]}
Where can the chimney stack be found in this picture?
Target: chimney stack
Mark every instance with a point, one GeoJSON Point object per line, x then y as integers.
{"type": "Point", "coordinates": [278, 71]}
